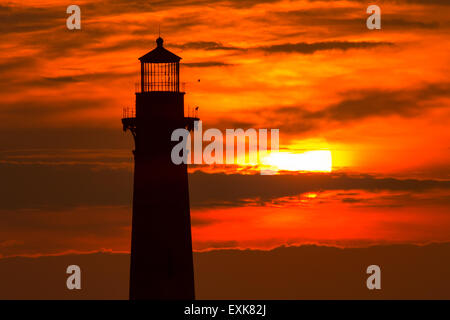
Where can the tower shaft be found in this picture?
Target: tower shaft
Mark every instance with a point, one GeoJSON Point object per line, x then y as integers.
{"type": "Point", "coordinates": [161, 246]}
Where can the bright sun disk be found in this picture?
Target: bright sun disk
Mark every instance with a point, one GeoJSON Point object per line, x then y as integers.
{"type": "Point", "coordinates": [318, 160]}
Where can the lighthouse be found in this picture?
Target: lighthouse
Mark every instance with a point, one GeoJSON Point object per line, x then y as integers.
{"type": "Point", "coordinates": [161, 247]}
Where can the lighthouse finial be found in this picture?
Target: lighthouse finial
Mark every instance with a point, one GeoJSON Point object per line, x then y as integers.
{"type": "Point", "coordinates": [160, 40]}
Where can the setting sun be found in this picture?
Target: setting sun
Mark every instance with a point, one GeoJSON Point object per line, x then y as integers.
{"type": "Point", "coordinates": [319, 160]}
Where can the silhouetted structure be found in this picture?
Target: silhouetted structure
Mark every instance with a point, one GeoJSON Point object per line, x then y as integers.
{"type": "Point", "coordinates": [161, 245]}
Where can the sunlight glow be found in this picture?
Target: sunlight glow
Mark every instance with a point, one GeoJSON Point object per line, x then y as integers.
{"type": "Point", "coordinates": [319, 160]}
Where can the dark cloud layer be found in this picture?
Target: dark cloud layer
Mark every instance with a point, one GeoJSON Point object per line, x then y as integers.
{"type": "Point", "coordinates": [205, 45]}
{"type": "Point", "coordinates": [49, 111]}
{"type": "Point", "coordinates": [209, 190]}
{"type": "Point", "coordinates": [379, 103]}
{"type": "Point", "coordinates": [354, 106]}
{"type": "Point", "coordinates": [421, 2]}
{"type": "Point", "coordinates": [91, 138]}
{"type": "Point", "coordinates": [305, 272]}
{"type": "Point", "coordinates": [343, 19]}
{"type": "Point", "coordinates": [64, 186]}
{"type": "Point", "coordinates": [20, 19]}
{"type": "Point", "coordinates": [309, 48]}
{"type": "Point", "coordinates": [206, 64]}
{"type": "Point", "coordinates": [300, 47]}
{"type": "Point", "coordinates": [17, 64]}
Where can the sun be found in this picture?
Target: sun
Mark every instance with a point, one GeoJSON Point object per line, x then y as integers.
{"type": "Point", "coordinates": [317, 160]}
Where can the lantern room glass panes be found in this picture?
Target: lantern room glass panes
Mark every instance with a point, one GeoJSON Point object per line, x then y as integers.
{"type": "Point", "coordinates": [160, 77]}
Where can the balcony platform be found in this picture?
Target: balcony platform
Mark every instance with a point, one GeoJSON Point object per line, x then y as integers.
{"type": "Point", "coordinates": [129, 123]}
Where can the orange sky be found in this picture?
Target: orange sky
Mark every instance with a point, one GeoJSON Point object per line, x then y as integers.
{"type": "Point", "coordinates": [377, 100]}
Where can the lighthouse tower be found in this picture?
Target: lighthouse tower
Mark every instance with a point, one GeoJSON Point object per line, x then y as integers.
{"type": "Point", "coordinates": [161, 245]}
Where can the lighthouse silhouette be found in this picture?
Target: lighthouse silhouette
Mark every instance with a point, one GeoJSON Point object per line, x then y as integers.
{"type": "Point", "coordinates": [161, 247]}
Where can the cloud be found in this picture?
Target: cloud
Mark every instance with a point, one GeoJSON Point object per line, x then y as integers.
{"type": "Point", "coordinates": [63, 186]}
{"type": "Point", "coordinates": [300, 47]}
{"type": "Point", "coordinates": [51, 82]}
{"type": "Point", "coordinates": [206, 64]}
{"type": "Point", "coordinates": [219, 190]}
{"type": "Point", "coordinates": [81, 228]}
{"type": "Point", "coordinates": [303, 272]}
{"type": "Point", "coordinates": [17, 64]}
{"type": "Point", "coordinates": [21, 19]}
{"type": "Point", "coordinates": [200, 222]}
{"type": "Point", "coordinates": [35, 183]}
{"type": "Point", "coordinates": [42, 111]}
{"type": "Point", "coordinates": [343, 19]}
{"type": "Point", "coordinates": [400, 23]}
{"type": "Point", "coordinates": [421, 2]}
{"type": "Point", "coordinates": [310, 48]}
{"type": "Point", "coordinates": [320, 272]}
{"type": "Point", "coordinates": [93, 139]}
{"type": "Point", "coordinates": [120, 6]}
{"type": "Point", "coordinates": [354, 106]}
{"type": "Point", "coordinates": [406, 103]}
{"type": "Point", "coordinates": [205, 45]}
{"type": "Point", "coordinates": [105, 274]}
